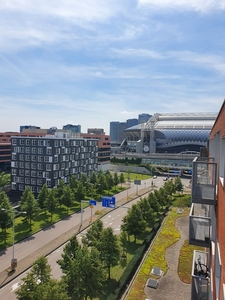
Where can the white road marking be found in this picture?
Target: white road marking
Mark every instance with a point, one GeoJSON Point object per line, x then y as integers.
{"type": "Point", "coordinates": [15, 286]}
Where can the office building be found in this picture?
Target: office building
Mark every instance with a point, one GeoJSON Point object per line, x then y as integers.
{"type": "Point", "coordinates": [73, 128]}
{"type": "Point", "coordinates": [30, 127]}
{"type": "Point", "coordinates": [143, 118]}
{"type": "Point", "coordinates": [117, 134]}
{"type": "Point", "coordinates": [36, 161]}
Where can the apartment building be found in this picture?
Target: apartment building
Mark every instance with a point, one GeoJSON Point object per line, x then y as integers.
{"type": "Point", "coordinates": [104, 147]}
{"type": "Point", "coordinates": [206, 223]}
{"type": "Point", "coordinates": [5, 146]}
{"type": "Point", "coordinates": [36, 161]}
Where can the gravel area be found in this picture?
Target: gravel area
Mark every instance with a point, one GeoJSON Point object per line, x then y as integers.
{"type": "Point", "coordinates": [170, 287]}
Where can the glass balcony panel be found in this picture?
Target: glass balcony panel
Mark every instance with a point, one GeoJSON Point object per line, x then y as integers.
{"type": "Point", "coordinates": [199, 226]}
{"type": "Point", "coordinates": [204, 182]}
{"type": "Point", "coordinates": [200, 287]}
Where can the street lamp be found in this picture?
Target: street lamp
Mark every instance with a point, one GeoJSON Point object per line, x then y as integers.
{"type": "Point", "coordinates": [13, 211]}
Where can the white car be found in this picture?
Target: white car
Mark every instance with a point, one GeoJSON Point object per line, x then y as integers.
{"type": "Point", "coordinates": [154, 177]}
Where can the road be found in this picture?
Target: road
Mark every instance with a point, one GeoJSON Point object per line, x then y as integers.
{"type": "Point", "coordinates": [112, 219]}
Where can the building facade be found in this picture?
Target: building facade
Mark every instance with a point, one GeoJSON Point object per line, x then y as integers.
{"type": "Point", "coordinates": [206, 220]}
{"type": "Point", "coordinates": [117, 134]}
{"type": "Point", "coordinates": [36, 161]}
{"type": "Point", "coordinates": [104, 147]}
{"type": "Point", "coordinates": [73, 128]}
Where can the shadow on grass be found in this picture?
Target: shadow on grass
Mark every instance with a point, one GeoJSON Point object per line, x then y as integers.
{"type": "Point", "coordinates": [110, 286]}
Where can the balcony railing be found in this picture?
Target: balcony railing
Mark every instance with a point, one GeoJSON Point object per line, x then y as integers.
{"type": "Point", "coordinates": [199, 225]}
{"type": "Point", "coordinates": [200, 287]}
{"type": "Point", "coordinates": [204, 182]}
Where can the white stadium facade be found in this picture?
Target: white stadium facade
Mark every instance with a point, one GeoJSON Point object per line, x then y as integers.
{"type": "Point", "coordinates": [170, 133]}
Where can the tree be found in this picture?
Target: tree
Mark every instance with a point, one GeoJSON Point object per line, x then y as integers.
{"type": "Point", "coordinates": [115, 179]}
{"type": "Point", "coordinates": [109, 249]}
{"type": "Point", "coordinates": [51, 203]}
{"type": "Point", "coordinates": [4, 180]}
{"type": "Point", "coordinates": [121, 178]}
{"type": "Point", "coordinates": [153, 202]}
{"type": "Point", "coordinates": [67, 197]}
{"type": "Point", "coordinates": [178, 184]}
{"type": "Point", "coordinates": [60, 191]}
{"type": "Point", "coordinates": [29, 205]}
{"type": "Point", "coordinates": [5, 215]}
{"type": "Point", "coordinates": [82, 265]}
{"type": "Point", "coordinates": [146, 210]}
{"type": "Point", "coordinates": [109, 180]}
{"type": "Point", "coordinates": [43, 195]}
{"type": "Point", "coordinates": [133, 223]}
{"type": "Point", "coordinates": [93, 235]}
{"type": "Point", "coordinates": [80, 192]}
{"type": "Point", "coordinates": [38, 284]}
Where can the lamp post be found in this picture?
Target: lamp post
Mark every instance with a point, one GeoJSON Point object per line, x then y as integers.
{"type": "Point", "coordinates": [13, 260]}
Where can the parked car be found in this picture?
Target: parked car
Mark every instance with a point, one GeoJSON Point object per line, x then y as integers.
{"type": "Point", "coordinates": [165, 178]}
{"type": "Point", "coordinates": [154, 177]}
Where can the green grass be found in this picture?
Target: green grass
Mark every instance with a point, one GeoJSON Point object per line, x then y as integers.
{"type": "Point", "coordinates": [167, 236]}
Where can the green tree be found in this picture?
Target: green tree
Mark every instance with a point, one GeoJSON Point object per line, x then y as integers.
{"type": "Point", "coordinates": [133, 223]}
{"type": "Point", "coordinates": [80, 192]}
{"type": "Point", "coordinates": [29, 205]}
{"type": "Point", "coordinates": [5, 214]}
{"type": "Point", "coordinates": [38, 284]}
{"type": "Point", "coordinates": [146, 211]}
{"type": "Point", "coordinates": [67, 198]}
{"type": "Point", "coordinates": [60, 191]}
{"type": "Point", "coordinates": [121, 178]}
{"type": "Point", "coordinates": [115, 179]}
{"type": "Point", "coordinates": [109, 180]}
{"type": "Point", "coordinates": [4, 180]}
{"type": "Point", "coordinates": [109, 249]}
{"type": "Point", "coordinates": [43, 195]}
{"type": "Point", "coordinates": [178, 184]}
{"type": "Point", "coordinates": [93, 235]}
{"type": "Point", "coordinates": [153, 202]}
{"type": "Point", "coordinates": [51, 203]}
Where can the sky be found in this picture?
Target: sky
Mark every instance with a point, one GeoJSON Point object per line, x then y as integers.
{"type": "Point", "coordinates": [91, 62]}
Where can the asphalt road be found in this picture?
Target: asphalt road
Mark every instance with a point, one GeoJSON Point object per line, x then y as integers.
{"type": "Point", "coordinates": [24, 248]}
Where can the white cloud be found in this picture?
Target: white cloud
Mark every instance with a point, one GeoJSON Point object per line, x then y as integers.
{"type": "Point", "coordinates": [193, 5]}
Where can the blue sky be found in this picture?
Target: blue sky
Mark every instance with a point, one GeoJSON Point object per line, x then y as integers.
{"type": "Point", "coordinates": [90, 62]}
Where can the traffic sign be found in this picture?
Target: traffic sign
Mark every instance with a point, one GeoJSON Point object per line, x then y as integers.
{"type": "Point", "coordinates": [91, 206]}
{"type": "Point", "coordinates": [138, 182]}
{"type": "Point", "coordinates": [108, 202]}
{"type": "Point", "coordinates": [92, 202]}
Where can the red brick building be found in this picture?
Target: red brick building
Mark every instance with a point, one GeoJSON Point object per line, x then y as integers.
{"type": "Point", "coordinates": [207, 217]}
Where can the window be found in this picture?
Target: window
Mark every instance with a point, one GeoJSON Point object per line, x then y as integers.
{"type": "Point", "coordinates": [22, 142]}
{"type": "Point", "coordinates": [14, 142]}
{"type": "Point", "coordinates": [33, 166]}
{"type": "Point", "coordinates": [62, 165]}
{"type": "Point", "coordinates": [21, 172]}
{"type": "Point", "coordinates": [27, 142]}
{"type": "Point", "coordinates": [55, 158]}
{"type": "Point", "coordinates": [46, 159]}
{"type": "Point", "coordinates": [21, 179]}
{"type": "Point", "coordinates": [40, 143]}
{"type": "Point", "coordinates": [34, 142]}
{"type": "Point", "coordinates": [33, 189]}
{"type": "Point", "coordinates": [39, 174]}
{"type": "Point", "coordinates": [21, 156]}
{"type": "Point", "coordinates": [47, 143]}
{"type": "Point", "coordinates": [13, 171]}
{"type": "Point", "coordinates": [27, 172]}
{"type": "Point", "coordinates": [48, 182]}
{"type": "Point", "coordinates": [21, 187]}
{"type": "Point", "coordinates": [57, 150]}
{"type": "Point", "coordinates": [33, 157]}
{"type": "Point", "coordinates": [33, 181]}
{"type": "Point", "coordinates": [13, 156]}
{"type": "Point", "coordinates": [27, 180]}
{"type": "Point", "coordinates": [33, 150]}
{"type": "Point", "coordinates": [40, 158]}
{"type": "Point", "coordinates": [56, 143]}
{"type": "Point", "coordinates": [33, 173]}
{"type": "Point", "coordinates": [61, 143]}
{"type": "Point", "coordinates": [21, 150]}
{"type": "Point", "coordinates": [27, 157]}
{"type": "Point", "coordinates": [40, 150]}
{"type": "Point", "coordinates": [40, 166]}
{"type": "Point", "coordinates": [49, 151]}
{"type": "Point", "coordinates": [27, 149]}
{"type": "Point", "coordinates": [48, 167]}
{"type": "Point", "coordinates": [55, 175]}
{"type": "Point", "coordinates": [27, 165]}
{"type": "Point", "coordinates": [39, 182]}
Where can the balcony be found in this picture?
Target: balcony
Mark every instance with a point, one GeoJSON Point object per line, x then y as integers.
{"type": "Point", "coordinates": [200, 286]}
{"type": "Point", "coordinates": [204, 182]}
{"type": "Point", "coordinates": [199, 225]}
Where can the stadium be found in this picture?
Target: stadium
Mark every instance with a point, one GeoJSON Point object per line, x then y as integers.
{"type": "Point", "coordinates": [171, 133]}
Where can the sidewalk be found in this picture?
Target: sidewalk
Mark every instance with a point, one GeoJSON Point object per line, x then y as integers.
{"type": "Point", "coordinates": [26, 263]}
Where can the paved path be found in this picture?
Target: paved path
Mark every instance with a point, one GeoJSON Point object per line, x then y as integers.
{"type": "Point", "coordinates": [170, 286]}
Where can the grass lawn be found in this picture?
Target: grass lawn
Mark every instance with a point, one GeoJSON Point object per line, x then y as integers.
{"type": "Point", "coordinates": [185, 259]}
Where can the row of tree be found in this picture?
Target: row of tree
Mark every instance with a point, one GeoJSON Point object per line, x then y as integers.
{"type": "Point", "coordinates": [86, 266]}
{"type": "Point", "coordinates": [64, 195]}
